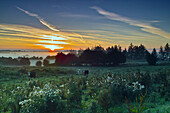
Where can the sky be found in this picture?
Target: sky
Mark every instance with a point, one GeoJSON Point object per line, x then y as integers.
{"type": "Point", "coordinates": [75, 24]}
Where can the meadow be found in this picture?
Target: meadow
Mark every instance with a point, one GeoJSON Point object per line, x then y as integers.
{"type": "Point", "coordinates": [122, 89]}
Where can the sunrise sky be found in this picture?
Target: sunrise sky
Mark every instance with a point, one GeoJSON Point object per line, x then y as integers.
{"type": "Point", "coordinates": [75, 24]}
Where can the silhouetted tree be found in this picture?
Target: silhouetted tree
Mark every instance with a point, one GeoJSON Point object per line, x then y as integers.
{"type": "Point", "coordinates": [167, 48]}
{"type": "Point", "coordinates": [130, 49]}
{"type": "Point", "coordinates": [119, 48]}
{"type": "Point", "coordinates": [136, 52]}
{"type": "Point", "coordinates": [86, 57]}
{"type": "Point", "coordinates": [154, 52]}
{"type": "Point", "coordinates": [24, 61]}
{"type": "Point", "coordinates": [65, 60]}
{"type": "Point", "coordinates": [90, 56]}
{"type": "Point", "coordinates": [151, 58]}
{"type": "Point", "coordinates": [125, 51]}
{"type": "Point", "coordinates": [161, 51]}
{"type": "Point", "coordinates": [114, 56]}
{"type": "Point", "coordinates": [98, 56]}
{"type": "Point", "coordinates": [38, 63]}
{"type": "Point", "coordinates": [45, 62]}
{"type": "Point", "coordinates": [60, 59]}
{"type": "Point", "coordinates": [71, 59]}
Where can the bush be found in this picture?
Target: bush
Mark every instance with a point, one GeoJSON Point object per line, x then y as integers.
{"type": "Point", "coordinates": [38, 63]}
{"type": "Point", "coordinates": [46, 62]}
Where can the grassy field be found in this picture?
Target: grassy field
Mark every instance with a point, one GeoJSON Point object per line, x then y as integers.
{"type": "Point", "coordinates": [81, 94]}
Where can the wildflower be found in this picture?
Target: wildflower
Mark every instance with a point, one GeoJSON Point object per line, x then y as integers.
{"type": "Point", "coordinates": [68, 91]}
{"type": "Point", "coordinates": [142, 86]}
{"type": "Point", "coordinates": [62, 85]}
{"type": "Point", "coordinates": [87, 83]}
{"type": "Point", "coordinates": [18, 87]}
{"type": "Point", "coordinates": [124, 80]}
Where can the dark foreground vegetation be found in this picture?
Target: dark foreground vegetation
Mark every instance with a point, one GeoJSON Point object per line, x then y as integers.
{"type": "Point", "coordinates": [143, 89]}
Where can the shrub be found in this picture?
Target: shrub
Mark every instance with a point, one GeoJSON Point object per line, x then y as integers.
{"type": "Point", "coordinates": [38, 63]}
{"type": "Point", "coordinates": [74, 97]}
{"type": "Point", "coordinates": [104, 100]}
{"type": "Point", "coordinates": [140, 104]}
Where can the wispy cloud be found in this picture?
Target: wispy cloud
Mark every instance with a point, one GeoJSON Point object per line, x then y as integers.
{"type": "Point", "coordinates": [71, 15]}
{"type": "Point", "coordinates": [39, 18]}
{"type": "Point", "coordinates": [53, 42]}
{"type": "Point", "coordinates": [22, 35]}
{"type": "Point", "coordinates": [143, 25]}
{"type": "Point", "coordinates": [26, 37]}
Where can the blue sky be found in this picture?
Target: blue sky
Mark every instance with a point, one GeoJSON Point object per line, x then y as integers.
{"type": "Point", "coordinates": [83, 23]}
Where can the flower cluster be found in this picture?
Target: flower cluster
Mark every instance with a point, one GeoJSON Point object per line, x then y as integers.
{"type": "Point", "coordinates": [36, 95]}
{"type": "Point", "coordinates": [137, 86]}
{"type": "Point", "coordinates": [47, 90]}
{"type": "Point", "coordinates": [24, 102]}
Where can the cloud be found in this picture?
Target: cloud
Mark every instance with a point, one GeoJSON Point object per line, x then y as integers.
{"type": "Point", "coordinates": [53, 42]}
{"type": "Point", "coordinates": [55, 37]}
{"type": "Point", "coordinates": [39, 18]}
{"type": "Point", "coordinates": [74, 15]}
{"type": "Point", "coordinates": [27, 37]}
{"type": "Point", "coordinates": [22, 34]}
{"type": "Point", "coordinates": [143, 25]}
{"type": "Point", "coordinates": [154, 21]}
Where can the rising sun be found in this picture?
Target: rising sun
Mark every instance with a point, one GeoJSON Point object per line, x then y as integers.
{"type": "Point", "coordinates": [51, 47]}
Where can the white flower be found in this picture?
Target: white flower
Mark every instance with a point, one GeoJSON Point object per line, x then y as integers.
{"type": "Point", "coordinates": [62, 85]}
{"type": "Point", "coordinates": [24, 102]}
{"type": "Point", "coordinates": [18, 87]}
{"type": "Point", "coordinates": [123, 80]}
{"type": "Point", "coordinates": [142, 86]}
{"type": "Point", "coordinates": [20, 103]}
{"type": "Point", "coordinates": [68, 91]}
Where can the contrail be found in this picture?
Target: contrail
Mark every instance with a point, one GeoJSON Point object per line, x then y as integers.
{"type": "Point", "coordinates": [39, 18]}
{"type": "Point", "coordinates": [143, 25]}
{"type": "Point", "coordinates": [46, 23]}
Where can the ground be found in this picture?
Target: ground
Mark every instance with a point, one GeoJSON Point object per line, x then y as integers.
{"type": "Point", "coordinates": [17, 76]}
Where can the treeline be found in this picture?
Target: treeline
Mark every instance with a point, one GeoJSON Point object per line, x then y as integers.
{"type": "Point", "coordinates": [96, 56]}
{"type": "Point", "coordinates": [113, 56]}
{"type": "Point", "coordinates": [135, 52]}
{"type": "Point", "coordinates": [164, 52]}
{"type": "Point", "coordinates": [16, 61]}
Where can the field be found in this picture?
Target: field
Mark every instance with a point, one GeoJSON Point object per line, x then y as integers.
{"type": "Point", "coordinates": [120, 89]}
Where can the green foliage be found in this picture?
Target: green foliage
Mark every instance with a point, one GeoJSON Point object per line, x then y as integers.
{"type": "Point", "coordinates": [69, 92]}
{"type": "Point", "coordinates": [140, 104]}
{"type": "Point", "coordinates": [104, 100]}
{"type": "Point", "coordinates": [94, 107]}
{"type": "Point", "coordinates": [74, 97]}
{"type": "Point", "coordinates": [117, 94]}
{"type": "Point", "coordinates": [145, 79]}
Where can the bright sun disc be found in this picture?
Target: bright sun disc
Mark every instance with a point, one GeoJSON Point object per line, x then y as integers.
{"type": "Point", "coordinates": [51, 47]}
